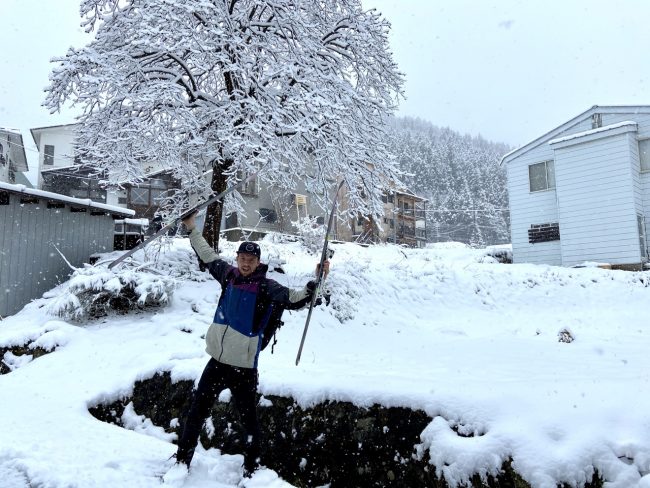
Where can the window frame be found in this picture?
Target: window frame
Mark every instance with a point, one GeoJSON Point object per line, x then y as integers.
{"type": "Point", "coordinates": [48, 155]}
{"type": "Point", "coordinates": [549, 175]}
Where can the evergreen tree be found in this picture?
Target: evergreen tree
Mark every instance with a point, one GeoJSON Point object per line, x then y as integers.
{"type": "Point", "coordinates": [461, 177]}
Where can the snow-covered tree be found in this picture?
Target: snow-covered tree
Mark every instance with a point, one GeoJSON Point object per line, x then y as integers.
{"type": "Point", "coordinates": [300, 88]}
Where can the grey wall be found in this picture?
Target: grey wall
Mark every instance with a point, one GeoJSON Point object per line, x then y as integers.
{"type": "Point", "coordinates": [29, 232]}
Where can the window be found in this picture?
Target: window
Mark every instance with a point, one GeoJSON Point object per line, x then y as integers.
{"type": "Point", "coordinates": [596, 121]}
{"type": "Point", "coordinates": [642, 239]}
{"type": "Point", "coordinates": [48, 155]}
{"type": "Point", "coordinates": [87, 188]}
{"type": "Point", "coordinates": [544, 232]}
{"type": "Point", "coordinates": [268, 215]}
{"type": "Point", "coordinates": [644, 154]}
{"type": "Point", "coordinates": [542, 176]}
{"type": "Point", "coordinates": [139, 196]}
{"type": "Point", "coordinates": [148, 193]}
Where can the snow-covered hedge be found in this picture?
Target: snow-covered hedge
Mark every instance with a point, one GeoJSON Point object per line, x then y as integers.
{"type": "Point", "coordinates": [96, 291]}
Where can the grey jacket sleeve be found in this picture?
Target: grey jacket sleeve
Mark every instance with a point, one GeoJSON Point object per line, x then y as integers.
{"type": "Point", "coordinates": [201, 246]}
{"type": "Point", "coordinates": [217, 266]}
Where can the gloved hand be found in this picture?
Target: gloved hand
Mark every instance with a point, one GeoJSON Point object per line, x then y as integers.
{"type": "Point", "coordinates": [311, 287]}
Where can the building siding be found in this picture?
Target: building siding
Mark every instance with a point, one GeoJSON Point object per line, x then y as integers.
{"type": "Point", "coordinates": [596, 197]}
{"type": "Point", "coordinates": [528, 208]}
{"type": "Point", "coordinates": [61, 137]}
{"type": "Point", "coordinates": [30, 235]}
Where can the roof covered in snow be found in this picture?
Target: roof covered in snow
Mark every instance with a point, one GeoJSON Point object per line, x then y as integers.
{"type": "Point", "coordinates": [599, 130]}
{"type": "Point", "coordinates": [631, 109]}
{"type": "Point", "coordinates": [82, 202]}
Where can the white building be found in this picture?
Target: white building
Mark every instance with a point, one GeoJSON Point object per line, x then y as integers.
{"type": "Point", "coordinates": [265, 209]}
{"type": "Point", "coordinates": [59, 171]}
{"type": "Point", "coordinates": [581, 192]}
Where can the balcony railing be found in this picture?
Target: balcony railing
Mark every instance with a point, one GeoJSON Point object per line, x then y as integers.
{"type": "Point", "coordinates": [411, 213]}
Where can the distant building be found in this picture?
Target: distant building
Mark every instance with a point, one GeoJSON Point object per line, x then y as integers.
{"type": "Point", "coordinates": [13, 162]}
{"type": "Point", "coordinates": [265, 209]}
{"type": "Point", "coordinates": [581, 192]}
{"type": "Point", "coordinates": [271, 209]}
{"type": "Point", "coordinates": [59, 171]}
{"type": "Point", "coordinates": [403, 222]}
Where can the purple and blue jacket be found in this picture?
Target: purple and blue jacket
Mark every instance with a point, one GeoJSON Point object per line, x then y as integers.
{"type": "Point", "coordinates": [245, 306]}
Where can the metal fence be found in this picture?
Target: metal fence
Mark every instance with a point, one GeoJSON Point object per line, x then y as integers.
{"type": "Point", "coordinates": [36, 229]}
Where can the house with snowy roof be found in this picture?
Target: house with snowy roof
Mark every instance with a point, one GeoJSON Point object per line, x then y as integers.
{"type": "Point", "coordinates": [13, 162]}
{"type": "Point", "coordinates": [60, 171]}
{"type": "Point", "coordinates": [265, 209]}
{"type": "Point", "coordinates": [581, 192]}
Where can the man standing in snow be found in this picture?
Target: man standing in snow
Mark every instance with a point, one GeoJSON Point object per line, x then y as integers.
{"type": "Point", "coordinates": [234, 341]}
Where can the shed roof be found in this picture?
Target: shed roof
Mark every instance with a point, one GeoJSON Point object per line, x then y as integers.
{"type": "Point", "coordinates": [626, 109]}
{"type": "Point", "coordinates": [81, 202]}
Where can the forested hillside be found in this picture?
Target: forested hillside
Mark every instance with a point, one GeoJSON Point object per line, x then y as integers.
{"type": "Point", "coordinates": [460, 176]}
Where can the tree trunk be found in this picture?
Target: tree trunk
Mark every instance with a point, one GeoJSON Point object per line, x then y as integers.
{"type": "Point", "coordinates": [214, 212]}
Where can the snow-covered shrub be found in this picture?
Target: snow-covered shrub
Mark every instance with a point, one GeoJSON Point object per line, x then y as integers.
{"type": "Point", "coordinates": [311, 232]}
{"type": "Point", "coordinates": [502, 253]}
{"type": "Point", "coordinates": [94, 292]}
{"type": "Point", "coordinates": [347, 291]}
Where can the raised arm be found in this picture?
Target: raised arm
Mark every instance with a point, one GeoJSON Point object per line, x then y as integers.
{"type": "Point", "coordinates": [217, 266]}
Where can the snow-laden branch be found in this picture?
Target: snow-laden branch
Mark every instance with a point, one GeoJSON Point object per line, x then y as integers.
{"type": "Point", "coordinates": [199, 85]}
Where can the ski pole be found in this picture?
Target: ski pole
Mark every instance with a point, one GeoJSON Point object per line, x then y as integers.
{"type": "Point", "coordinates": [319, 278]}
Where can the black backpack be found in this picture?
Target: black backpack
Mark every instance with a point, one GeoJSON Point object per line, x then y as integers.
{"type": "Point", "coordinates": [275, 320]}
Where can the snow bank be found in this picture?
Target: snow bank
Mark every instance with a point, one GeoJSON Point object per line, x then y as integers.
{"type": "Point", "coordinates": [471, 342]}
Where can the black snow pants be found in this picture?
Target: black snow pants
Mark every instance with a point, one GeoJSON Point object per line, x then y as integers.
{"type": "Point", "coordinates": [215, 378]}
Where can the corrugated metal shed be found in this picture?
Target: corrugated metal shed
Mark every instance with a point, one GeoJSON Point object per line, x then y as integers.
{"type": "Point", "coordinates": [33, 225]}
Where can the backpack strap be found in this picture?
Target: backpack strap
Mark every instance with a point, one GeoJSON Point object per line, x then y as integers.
{"type": "Point", "coordinates": [275, 317]}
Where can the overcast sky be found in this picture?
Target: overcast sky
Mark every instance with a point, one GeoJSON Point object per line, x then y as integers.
{"type": "Point", "coordinates": [506, 69]}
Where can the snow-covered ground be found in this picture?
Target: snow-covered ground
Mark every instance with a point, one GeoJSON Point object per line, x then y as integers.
{"type": "Point", "coordinates": [447, 330]}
